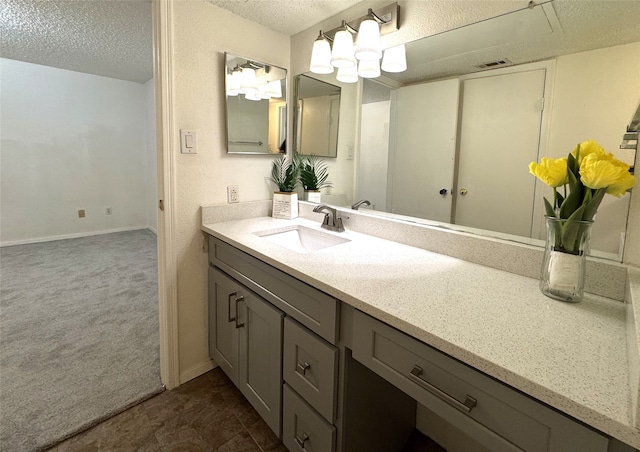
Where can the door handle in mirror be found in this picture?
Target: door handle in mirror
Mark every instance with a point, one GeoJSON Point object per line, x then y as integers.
{"type": "Point", "coordinates": [443, 191]}
{"type": "Point", "coordinates": [464, 191]}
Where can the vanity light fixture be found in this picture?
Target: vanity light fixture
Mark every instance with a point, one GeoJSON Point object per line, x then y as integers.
{"type": "Point", "coordinates": [363, 59]}
{"type": "Point", "coordinates": [395, 59]}
{"type": "Point", "coordinates": [274, 89]}
{"type": "Point", "coordinates": [253, 80]}
{"type": "Point", "coordinates": [368, 45]}
{"type": "Point", "coordinates": [321, 55]}
{"type": "Point", "coordinates": [342, 54]}
{"type": "Point", "coordinates": [248, 81]}
{"type": "Point", "coordinates": [347, 74]}
{"type": "Point", "coordinates": [233, 81]}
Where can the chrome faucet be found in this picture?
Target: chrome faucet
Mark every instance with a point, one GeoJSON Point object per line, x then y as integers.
{"type": "Point", "coordinates": [331, 221]}
{"type": "Point", "coordinates": [359, 203]}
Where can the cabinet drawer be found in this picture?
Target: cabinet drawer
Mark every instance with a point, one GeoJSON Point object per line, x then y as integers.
{"type": "Point", "coordinates": [303, 429]}
{"type": "Point", "coordinates": [309, 306]}
{"type": "Point", "coordinates": [310, 367]}
{"type": "Point", "coordinates": [465, 397]}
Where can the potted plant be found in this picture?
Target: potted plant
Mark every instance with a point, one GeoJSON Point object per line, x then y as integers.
{"type": "Point", "coordinates": [313, 177]}
{"type": "Point", "coordinates": [590, 173]}
{"type": "Point", "coordinates": [284, 173]}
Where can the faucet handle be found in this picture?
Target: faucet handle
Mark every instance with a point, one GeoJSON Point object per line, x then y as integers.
{"type": "Point", "coordinates": [339, 226]}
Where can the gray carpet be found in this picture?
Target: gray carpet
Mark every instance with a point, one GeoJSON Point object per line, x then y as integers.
{"type": "Point", "coordinates": [78, 334]}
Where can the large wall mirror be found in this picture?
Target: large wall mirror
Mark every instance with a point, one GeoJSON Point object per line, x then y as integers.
{"type": "Point", "coordinates": [449, 141]}
{"type": "Point", "coordinates": [317, 116]}
{"type": "Point", "coordinates": [256, 103]}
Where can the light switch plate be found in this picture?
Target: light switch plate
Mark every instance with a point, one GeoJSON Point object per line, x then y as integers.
{"type": "Point", "coordinates": [188, 142]}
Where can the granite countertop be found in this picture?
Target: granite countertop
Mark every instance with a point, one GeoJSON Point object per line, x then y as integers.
{"type": "Point", "coordinates": [570, 356]}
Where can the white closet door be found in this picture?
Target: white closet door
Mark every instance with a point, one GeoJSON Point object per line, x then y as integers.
{"type": "Point", "coordinates": [426, 119]}
{"type": "Point", "coordinates": [499, 136]}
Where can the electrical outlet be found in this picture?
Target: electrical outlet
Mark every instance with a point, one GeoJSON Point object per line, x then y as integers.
{"type": "Point", "coordinates": [233, 194]}
{"type": "Point", "coordinates": [108, 211]}
{"type": "Point", "coordinates": [81, 213]}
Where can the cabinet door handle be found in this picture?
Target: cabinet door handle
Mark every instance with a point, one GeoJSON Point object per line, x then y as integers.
{"type": "Point", "coordinates": [303, 367]}
{"type": "Point", "coordinates": [300, 440]}
{"type": "Point", "coordinates": [229, 318]}
{"type": "Point", "coordinates": [465, 407]}
{"type": "Point", "coordinates": [238, 300]}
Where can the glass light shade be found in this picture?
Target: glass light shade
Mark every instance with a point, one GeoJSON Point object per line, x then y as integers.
{"type": "Point", "coordinates": [233, 81]}
{"type": "Point", "coordinates": [252, 96]}
{"type": "Point", "coordinates": [248, 82]}
{"type": "Point", "coordinates": [230, 92]}
{"type": "Point", "coordinates": [369, 69]}
{"type": "Point", "coordinates": [347, 74]}
{"type": "Point", "coordinates": [321, 57]}
{"type": "Point", "coordinates": [342, 53]}
{"type": "Point", "coordinates": [263, 91]}
{"type": "Point", "coordinates": [274, 89]}
{"type": "Point", "coordinates": [368, 42]}
{"type": "Point", "coordinates": [395, 59]}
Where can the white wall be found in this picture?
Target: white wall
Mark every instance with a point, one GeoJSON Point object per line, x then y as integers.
{"type": "Point", "coordinates": [202, 33]}
{"type": "Point", "coordinates": [69, 141]}
{"type": "Point", "coordinates": [372, 170]}
{"type": "Point", "coordinates": [151, 169]}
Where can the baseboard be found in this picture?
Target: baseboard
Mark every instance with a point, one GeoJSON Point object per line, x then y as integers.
{"type": "Point", "coordinates": [154, 230]}
{"type": "Point", "coordinates": [71, 236]}
{"type": "Point", "coordinates": [197, 370]}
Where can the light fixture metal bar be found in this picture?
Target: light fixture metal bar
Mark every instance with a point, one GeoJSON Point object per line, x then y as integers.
{"type": "Point", "coordinates": [389, 15]}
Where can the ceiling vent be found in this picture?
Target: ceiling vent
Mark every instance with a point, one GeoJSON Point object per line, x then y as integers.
{"type": "Point", "coordinates": [494, 64]}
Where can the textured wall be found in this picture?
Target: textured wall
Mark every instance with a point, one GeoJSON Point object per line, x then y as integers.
{"type": "Point", "coordinates": [69, 141]}
{"type": "Point", "coordinates": [201, 34]}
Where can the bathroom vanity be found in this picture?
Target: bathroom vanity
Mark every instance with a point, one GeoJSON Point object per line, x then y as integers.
{"type": "Point", "coordinates": [336, 343]}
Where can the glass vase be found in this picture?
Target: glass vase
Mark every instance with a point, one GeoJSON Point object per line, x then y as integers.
{"type": "Point", "coordinates": [565, 257]}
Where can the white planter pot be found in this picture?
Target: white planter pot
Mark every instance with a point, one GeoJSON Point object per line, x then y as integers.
{"type": "Point", "coordinates": [313, 196]}
{"type": "Point", "coordinates": [285, 205]}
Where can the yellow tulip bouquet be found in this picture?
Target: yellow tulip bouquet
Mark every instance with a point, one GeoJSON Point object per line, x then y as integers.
{"type": "Point", "coordinates": [590, 173]}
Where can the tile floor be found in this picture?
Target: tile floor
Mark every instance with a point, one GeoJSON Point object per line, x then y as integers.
{"type": "Point", "coordinates": [206, 414]}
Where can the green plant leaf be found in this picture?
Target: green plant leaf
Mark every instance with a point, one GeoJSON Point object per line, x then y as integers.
{"type": "Point", "coordinates": [549, 208]}
{"type": "Point", "coordinates": [574, 200]}
{"type": "Point", "coordinates": [572, 227]}
{"type": "Point", "coordinates": [314, 173]}
{"type": "Point", "coordinates": [591, 207]}
{"type": "Point", "coordinates": [284, 173]}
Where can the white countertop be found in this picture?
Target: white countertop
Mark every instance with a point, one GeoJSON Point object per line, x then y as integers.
{"type": "Point", "coordinates": [570, 356]}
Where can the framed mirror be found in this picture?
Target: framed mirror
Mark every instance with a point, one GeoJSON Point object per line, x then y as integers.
{"type": "Point", "coordinates": [317, 116]}
{"type": "Point", "coordinates": [256, 106]}
{"type": "Point", "coordinates": [412, 125]}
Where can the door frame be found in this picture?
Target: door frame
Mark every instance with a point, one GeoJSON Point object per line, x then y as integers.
{"type": "Point", "coordinates": [162, 12]}
{"type": "Point", "coordinates": [549, 67]}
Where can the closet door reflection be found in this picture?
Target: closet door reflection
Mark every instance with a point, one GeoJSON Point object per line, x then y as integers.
{"type": "Point", "coordinates": [499, 135]}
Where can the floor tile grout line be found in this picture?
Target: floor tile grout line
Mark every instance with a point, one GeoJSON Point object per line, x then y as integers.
{"type": "Point", "coordinates": [247, 430]}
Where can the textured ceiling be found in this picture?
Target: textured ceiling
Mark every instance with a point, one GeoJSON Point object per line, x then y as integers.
{"type": "Point", "coordinates": [286, 16]}
{"type": "Point", "coordinates": [580, 26]}
{"type": "Point", "coordinates": [111, 38]}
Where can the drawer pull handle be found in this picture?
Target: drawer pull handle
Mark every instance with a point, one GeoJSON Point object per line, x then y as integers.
{"type": "Point", "coordinates": [229, 318]}
{"type": "Point", "coordinates": [465, 407]}
{"type": "Point", "coordinates": [238, 300]}
{"type": "Point", "coordinates": [300, 440]}
{"type": "Point", "coordinates": [303, 367]}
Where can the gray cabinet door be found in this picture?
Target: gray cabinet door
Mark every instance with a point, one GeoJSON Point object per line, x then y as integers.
{"type": "Point", "coordinates": [223, 334]}
{"type": "Point", "coordinates": [260, 363]}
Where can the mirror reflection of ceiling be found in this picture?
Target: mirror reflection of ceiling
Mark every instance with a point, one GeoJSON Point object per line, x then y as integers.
{"type": "Point", "coordinates": [549, 30]}
{"type": "Point", "coordinates": [107, 38]}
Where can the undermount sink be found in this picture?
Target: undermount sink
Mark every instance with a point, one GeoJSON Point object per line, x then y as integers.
{"type": "Point", "coordinates": [301, 239]}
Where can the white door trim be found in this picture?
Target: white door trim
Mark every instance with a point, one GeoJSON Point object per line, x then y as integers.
{"type": "Point", "coordinates": [167, 261]}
